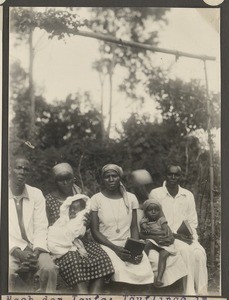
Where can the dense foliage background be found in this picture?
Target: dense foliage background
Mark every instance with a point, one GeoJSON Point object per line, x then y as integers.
{"type": "Point", "coordinates": [73, 129]}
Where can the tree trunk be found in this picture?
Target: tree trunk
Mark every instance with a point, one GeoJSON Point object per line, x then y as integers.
{"type": "Point", "coordinates": [79, 172]}
{"type": "Point", "coordinates": [111, 69]}
{"type": "Point", "coordinates": [101, 107]}
{"type": "Point", "coordinates": [31, 86]}
{"type": "Point", "coordinates": [187, 158]}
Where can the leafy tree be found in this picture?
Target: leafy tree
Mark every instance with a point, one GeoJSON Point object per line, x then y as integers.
{"type": "Point", "coordinates": [19, 102]}
{"type": "Point", "coordinates": [183, 105]}
{"type": "Point", "coordinates": [56, 23]}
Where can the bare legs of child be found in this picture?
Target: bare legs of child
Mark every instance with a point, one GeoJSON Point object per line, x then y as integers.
{"type": "Point", "coordinates": [163, 255]}
{"type": "Point", "coordinates": [149, 246]}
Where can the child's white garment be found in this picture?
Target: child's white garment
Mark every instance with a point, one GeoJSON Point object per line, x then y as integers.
{"type": "Point", "coordinates": [63, 234]}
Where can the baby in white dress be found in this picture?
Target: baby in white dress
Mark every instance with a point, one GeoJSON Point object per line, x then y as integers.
{"type": "Point", "coordinates": [64, 234]}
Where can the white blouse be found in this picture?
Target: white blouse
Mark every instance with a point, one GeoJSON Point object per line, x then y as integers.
{"type": "Point", "coordinates": [114, 219]}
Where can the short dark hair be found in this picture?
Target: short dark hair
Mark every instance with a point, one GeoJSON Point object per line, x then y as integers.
{"type": "Point", "coordinates": [82, 203]}
{"type": "Point", "coordinates": [16, 157]}
{"type": "Point", "coordinates": [173, 164]}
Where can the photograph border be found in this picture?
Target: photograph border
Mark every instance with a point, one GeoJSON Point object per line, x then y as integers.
{"type": "Point", "coordinates": [224, 19]}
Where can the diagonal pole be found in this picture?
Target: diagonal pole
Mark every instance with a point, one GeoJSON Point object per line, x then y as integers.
{"type": "Point", "coordinates": [211, 171]}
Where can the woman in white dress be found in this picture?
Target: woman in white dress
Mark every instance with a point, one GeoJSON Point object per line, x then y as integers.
{"type": "Point", "coordinates": [114, 219]}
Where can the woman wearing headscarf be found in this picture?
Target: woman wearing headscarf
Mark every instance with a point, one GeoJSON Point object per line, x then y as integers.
{"type": "Point", "coordinates": [79, 261]}
{"type": "Point", "coordinates": [63, 177]}
{"type": "Point", "coordinates": [114, 219]}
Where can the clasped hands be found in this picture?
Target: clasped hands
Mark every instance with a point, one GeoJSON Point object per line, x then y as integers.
{"type": "Point", "coordinates": [167, 238]}
{"type": "Point", "coordinates": [28, 259]}
{"type": "Point", "coordinates": [125, 255]}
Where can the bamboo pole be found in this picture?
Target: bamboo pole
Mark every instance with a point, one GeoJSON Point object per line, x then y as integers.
{"type": "Point", "coordinates": [211, 171]}
{"type": "Point", "coordinates": [121, 42]}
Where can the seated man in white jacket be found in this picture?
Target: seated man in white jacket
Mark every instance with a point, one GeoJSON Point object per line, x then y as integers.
{"type": "Point", "coordinates": [178, 205]}
{"type": "Point", "coordinates": [28, 229]}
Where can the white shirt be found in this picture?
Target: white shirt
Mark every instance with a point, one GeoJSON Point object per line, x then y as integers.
{"type": "Point", "coordinates": [177, 209]}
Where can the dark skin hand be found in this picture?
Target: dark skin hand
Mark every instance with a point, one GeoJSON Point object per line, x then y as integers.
{"type": "Point", "coordinates": [25, 256]}
{"type": "Point", "coordinates": [137, 259]}
{"type": "Point", "coordinates": [122, 253]}
{"type": "Point", "coordinates": [28, 259]}
{"type": "Point", "coordinates": [169, 239]}
{"type": "Point", "coordinates": [125, 255]}
{"type": "Point", "coordinates": [87, 220]}
{"type": "Point", "coordinates": [25, 267]}
{"type": "Point", "coordinates": [135, 234]}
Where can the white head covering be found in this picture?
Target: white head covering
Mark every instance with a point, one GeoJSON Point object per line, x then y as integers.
{"type": "Point", "coordinates": [62, 168]}
{"type": "Point", "coordinates": [112, 167]}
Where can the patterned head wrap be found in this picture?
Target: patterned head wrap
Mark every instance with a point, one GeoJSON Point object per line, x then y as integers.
{"type": "Point", "coordinates": [62, 168]}
{"type": "Point", "coordinates": [151, 201]}
{"type": "Point", "coordinates": [119, 171]}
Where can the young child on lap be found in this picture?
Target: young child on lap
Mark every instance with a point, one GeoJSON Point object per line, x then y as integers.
{"type": "Point", "coordinates": [153, 225]}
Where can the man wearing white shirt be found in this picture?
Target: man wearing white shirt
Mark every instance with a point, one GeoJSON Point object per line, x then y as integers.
{"type": "Point", "coordinates": [28, 229]}
{"type": "Point", "coordinates": [178, 205]}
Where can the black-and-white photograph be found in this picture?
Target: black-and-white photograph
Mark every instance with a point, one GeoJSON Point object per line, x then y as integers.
{"type": "Point", "coordinates": [114, 151]}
